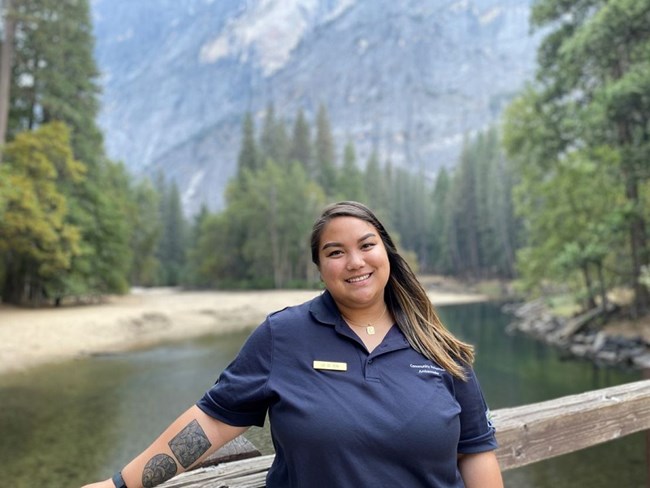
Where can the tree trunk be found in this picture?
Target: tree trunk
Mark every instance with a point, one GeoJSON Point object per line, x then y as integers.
{"type": "Point", "coordinates": [602, 287]}
{"type": "Point", "coordinates": [591, 301]}
{"type": "Point", "coordinates": [637, 230]}
{"type": "Point", "coordinates": [6, 62]}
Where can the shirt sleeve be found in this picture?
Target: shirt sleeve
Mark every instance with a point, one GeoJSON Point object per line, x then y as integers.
{"type": "Point", "coordinates": [476, 429]}
{"type": "Point", "coordinates": [240, 396]}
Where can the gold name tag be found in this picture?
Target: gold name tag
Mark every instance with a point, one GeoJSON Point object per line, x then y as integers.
{"type": "Point", "coordinates": [330, 365]}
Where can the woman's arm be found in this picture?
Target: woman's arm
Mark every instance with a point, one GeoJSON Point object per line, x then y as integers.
{"type": "Point", "coordinates": [480, 470]}
{"type": "Point", "coordinates": [189, 439]}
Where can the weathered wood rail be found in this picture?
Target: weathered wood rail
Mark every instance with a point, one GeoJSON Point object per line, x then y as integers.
{"type": "Point", "coordinates": [526, 434]}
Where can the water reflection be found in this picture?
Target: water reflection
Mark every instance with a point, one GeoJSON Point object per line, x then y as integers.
{"type": "Point", "coordinates": [516, 370]}
{"type": "Point", "coordinates": [66, 424]}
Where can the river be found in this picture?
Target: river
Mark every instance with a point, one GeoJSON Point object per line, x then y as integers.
{"type": "Point", "coordinates": [65, 424]}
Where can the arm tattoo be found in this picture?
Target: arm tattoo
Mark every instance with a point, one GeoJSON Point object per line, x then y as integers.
{"type": "Point", "coordinates": [189, 444]}
{"type": "Point", "coordinates": [160, 468]}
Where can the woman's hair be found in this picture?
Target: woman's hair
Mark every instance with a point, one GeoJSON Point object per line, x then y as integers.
{"type": "Point", "coordinates": [404, 295]}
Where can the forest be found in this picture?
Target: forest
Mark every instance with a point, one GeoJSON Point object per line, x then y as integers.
{"type": "Point", "coordinates": [554, 198]}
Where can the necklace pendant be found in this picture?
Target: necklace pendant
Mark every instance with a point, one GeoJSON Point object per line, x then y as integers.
{"type": "Point", "coordinates": [370, 330]}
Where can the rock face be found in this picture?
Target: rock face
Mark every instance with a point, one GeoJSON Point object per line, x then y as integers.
{"type": "Point", "coordinates": [410, 78]}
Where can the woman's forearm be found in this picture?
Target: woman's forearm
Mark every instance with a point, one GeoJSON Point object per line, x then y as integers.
{"type": "Point", "coordinates": [480, 470]}
{"type": "Point", "coordinates": [189, 439]}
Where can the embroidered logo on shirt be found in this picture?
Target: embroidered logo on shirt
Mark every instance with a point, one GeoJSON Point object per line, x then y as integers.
{"type": "Point", "coordinates": [488, 416]}
{"type": "Point", "coordinates": [427, 369]}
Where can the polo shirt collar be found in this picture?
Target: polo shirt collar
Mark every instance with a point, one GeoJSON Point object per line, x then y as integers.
{"type": "Point", "coordinates": [324, 310]}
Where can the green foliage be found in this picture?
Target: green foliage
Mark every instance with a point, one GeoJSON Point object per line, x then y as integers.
{"type": "Point", "coordinates": [326, 171]}
{"type": "Point", "coordinates": [578, 138]}
{"type": "Point", "coordinates": [89, 200]}
{"type": "Point", "coordinates": [474, 230]}
{"type": "Point", "coordinates": [274, 141]}
{"type": "Point", "coordinates": [38, 241]}
{"type": "Point", "coordinates": [280, 211]}
{"type": "Point", "coordinates": [146, 231]}
{"type": "Point", "coordinates": [172, 244]}
{"type": "Point", "coordinates": [301, 149]}
{"type": "Point", "coordinates": [249, 158]}
{"type": "Point", "coordinates": [54, 75]}
{"type": "Point", "coordinates": [350, 184]}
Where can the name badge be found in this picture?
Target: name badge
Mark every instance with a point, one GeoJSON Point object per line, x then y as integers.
{"type": "Point", "coordinates": [330, 365]}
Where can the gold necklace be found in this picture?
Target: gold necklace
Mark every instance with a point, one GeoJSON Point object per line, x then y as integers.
{"type": "Point", "coordinates": [370, 329]}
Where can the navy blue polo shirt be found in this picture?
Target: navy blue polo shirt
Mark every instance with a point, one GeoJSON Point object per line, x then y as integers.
{"type": "Point", "coordinates": [342, 417]}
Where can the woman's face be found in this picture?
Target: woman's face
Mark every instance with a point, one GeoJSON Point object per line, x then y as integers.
{"type": "Point", "coordinates": [353, 262]}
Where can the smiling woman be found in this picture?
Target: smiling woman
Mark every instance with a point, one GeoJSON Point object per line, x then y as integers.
{"type": "Point", "coordinates": [347, 409]}
{"type": "Point", "coordinates": [354, 266]}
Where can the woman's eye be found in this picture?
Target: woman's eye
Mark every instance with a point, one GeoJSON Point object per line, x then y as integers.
{"type": "Point", "coordinates": [368, 245]}
{"type": "Point", "coordinates": [334, 253]}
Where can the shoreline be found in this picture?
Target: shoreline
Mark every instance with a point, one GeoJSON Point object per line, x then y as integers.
{"type": "Point", "coordinates": [141, 319]}
{"type": "Point", "coordinates": [619, 343]}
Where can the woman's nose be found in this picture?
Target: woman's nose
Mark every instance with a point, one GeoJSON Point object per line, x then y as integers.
{"type": "Point", "coordinates": [355, 260]}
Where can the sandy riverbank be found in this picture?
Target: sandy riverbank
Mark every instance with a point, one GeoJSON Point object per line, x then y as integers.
{"type": "Point", "coordinates": [29, 337]}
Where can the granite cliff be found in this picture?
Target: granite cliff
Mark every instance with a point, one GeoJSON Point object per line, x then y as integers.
{"type": "Point", "coordinates": [410, 78]}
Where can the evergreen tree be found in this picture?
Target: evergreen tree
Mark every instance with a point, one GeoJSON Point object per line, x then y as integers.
{"type": "Point", "coordinates": [466, 212]}
{"type": "Point", "coordinates": [326, 173]}
{"type": "Point", "coordinates": [37, 240]}
{"type": "Point", "coordinates": [274, 142]}
{"type": "Point", "coordinates": [593, 79]}
{"type": "Point", "coordinates": [282, 211]}
{"type": "Point", "coordinates": [350, 182]}
{"type": "Point", "coordinates": [301, 150]}
{"type": "Point", "coordinates": [173, 239]}
{"type": "Point", "coordinates": [55, 77]}
{"type": "Point", "coordinates": [505, 228]}
{"type": "Point", "coordinates": [374, 184]}
{"type": "Point", "coordinates": [249, 157]}
{"type": "Point", "coordinates": [439, 251]}
{"type": "Point", "coordinates": [193, 275]}
{"type": "Point", "coordinates": [6, 62]}
{"type": "Point", "coordinates": [146, 230]}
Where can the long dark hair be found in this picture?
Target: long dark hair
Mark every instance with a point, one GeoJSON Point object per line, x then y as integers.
{"type": "Point", "coordinates": [405, 297]}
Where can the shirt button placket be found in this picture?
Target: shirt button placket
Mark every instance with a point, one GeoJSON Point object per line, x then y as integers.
{"type": "Point", "coordinates": [370, 370]}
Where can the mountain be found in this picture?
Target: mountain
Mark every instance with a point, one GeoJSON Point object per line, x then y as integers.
{"type": "Point", "coordinates": [410, 78]}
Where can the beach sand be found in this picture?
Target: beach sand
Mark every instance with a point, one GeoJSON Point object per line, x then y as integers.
{"type": "Point", "coordinates": [143, 318]}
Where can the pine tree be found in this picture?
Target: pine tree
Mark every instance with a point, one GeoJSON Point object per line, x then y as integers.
{"type": "Point", "coordinates": [440, 258]}
{"type": "Point", "coordinates": [326, 173]}
{"type": "Point", "coordinates": [248, 159]}
{"type": "Point", "coordinates": [146, 230]}
{"type": "Point", "coordinates": [55, 79]}
{"type": "Point", "coordinates": [350, 182]}
{"type": "Point", "coordinates": [593, 80]}
{"type": "Point", "coordinates": [6, 62]}
{"type": "Point", "coordinates": [37, 240]}
{"type": "Point", "coordinates": [301, 150]}
{"type": "Point", "coordinates": [173, 239]}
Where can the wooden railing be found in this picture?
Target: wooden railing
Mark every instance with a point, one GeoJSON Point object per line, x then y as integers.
{"type": "Point", "coordinates": [526, 434]}
{"type": "Point", "coordinates": [539, 431]}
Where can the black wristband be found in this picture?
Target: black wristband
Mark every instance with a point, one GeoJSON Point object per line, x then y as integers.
{"type": "Point", "coordinates": [118, 481]}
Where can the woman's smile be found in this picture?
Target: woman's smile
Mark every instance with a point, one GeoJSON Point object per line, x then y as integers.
{"type": "Point", "coordinates": [359, 279]}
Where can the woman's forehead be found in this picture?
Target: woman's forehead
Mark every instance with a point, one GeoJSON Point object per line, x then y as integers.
{"type": "Point", "coordinates": [347, 228]}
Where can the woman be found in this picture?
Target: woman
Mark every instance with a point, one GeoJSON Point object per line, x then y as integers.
{"type": "Point", "coordinates": [363, 385]}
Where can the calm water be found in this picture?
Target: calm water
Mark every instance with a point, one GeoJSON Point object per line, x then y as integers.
{"type": "Point", "coordinates": [71, 423]}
